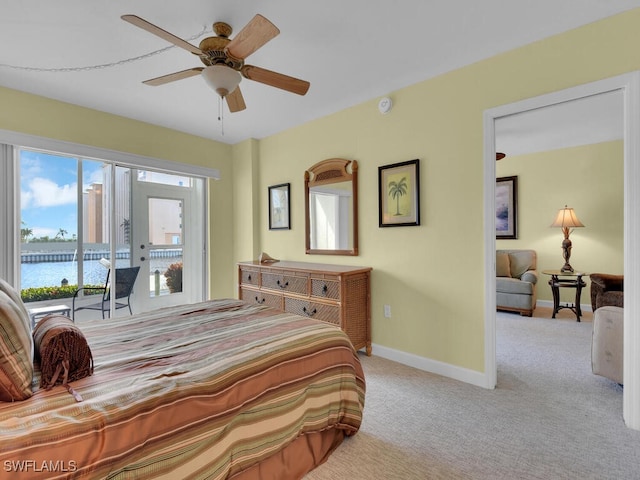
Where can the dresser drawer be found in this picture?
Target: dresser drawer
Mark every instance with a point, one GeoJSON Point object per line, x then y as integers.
{"type": "Point", "coordinates": [315, 310]}
{"type": "Point", "coordinates": [261, 297]}
{"type": "Point", "coordinates": [285, 283]}
{"type": "Point", "coordinates": [325, 288]}
{"type": "Point", "coordinates": [335, 294]}
{"type": "Point", "coordinates": [249, 276]}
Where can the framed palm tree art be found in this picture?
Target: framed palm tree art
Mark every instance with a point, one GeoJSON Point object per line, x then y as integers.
{"type": "Point", "coordinates": [399, 194]}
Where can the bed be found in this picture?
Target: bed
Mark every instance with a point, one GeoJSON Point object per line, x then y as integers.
{"type": "Point", "coordinates": [219, 389]}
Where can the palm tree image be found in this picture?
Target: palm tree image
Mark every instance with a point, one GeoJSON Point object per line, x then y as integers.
{"type": "Point", "coordinates": [25, 233]}
{"type": "Point", "coordinates": [397, 190]}
{"type": "Point", "coordinates": [61, 233]}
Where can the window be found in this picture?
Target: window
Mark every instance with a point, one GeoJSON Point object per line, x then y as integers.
{"type": "Point", "coordinates": [64, 223]}
{"type": "Point", "coordinates": [67, 211]}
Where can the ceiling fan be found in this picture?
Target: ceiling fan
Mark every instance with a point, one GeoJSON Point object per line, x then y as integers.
{"type": "Point", "coordinates": [224, 59]}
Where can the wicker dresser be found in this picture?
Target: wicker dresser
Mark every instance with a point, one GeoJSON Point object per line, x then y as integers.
{"type": "Point", "coordinates": [333, 293]}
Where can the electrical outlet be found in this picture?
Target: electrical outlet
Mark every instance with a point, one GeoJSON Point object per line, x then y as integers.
{"type": "Point", "coordinates": [387, 311]}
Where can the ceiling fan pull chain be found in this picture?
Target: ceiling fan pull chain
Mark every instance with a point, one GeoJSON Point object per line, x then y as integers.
{"type": "Point", "coordinates": [221, 115]}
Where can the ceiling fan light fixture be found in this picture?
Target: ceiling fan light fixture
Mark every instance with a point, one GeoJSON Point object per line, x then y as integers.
{"type": "Point", "coordinates": [222, 79]}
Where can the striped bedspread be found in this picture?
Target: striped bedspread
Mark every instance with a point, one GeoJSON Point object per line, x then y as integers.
{"type": "Point", "coordinates": [211, 390]}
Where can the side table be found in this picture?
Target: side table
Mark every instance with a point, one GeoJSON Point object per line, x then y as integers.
{"type": "Point", "coordinates": [36, 313]}
{"type": "Point", "coordinates": [560, 279]}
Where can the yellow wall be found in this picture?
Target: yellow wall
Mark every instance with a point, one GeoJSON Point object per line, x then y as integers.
{"type": "Point", "coordinates": [34, 115]}
{"type": "Point", "coordinates": [432, 275]}
{"type": "Point", "coordinates": [589, 179]}
{"type": "Point", "coordinates": [246, 201]}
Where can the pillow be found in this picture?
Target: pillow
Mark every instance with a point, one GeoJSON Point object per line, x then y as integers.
{"type": "Point", "coordinates": [62, 351]}
{"type": "Point", "coordinates": [521, 261]}
{"type": "Point", "coordinates": [503, 268]}
{"type": "Point", "coordinates": [16, 351]}
{"type": "Point", "coordinates": [13, 295]}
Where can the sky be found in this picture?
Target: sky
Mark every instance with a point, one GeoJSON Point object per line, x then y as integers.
{"type": "Point", "coordinates": [48, 191]}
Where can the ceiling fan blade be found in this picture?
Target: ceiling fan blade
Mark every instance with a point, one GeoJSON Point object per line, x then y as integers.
{"type": "Point", "coordinates": [172, 77]}
{"type": "Point", "coordinates": [253, 36]}
{"type": "Point", "coordinates": [169, 37]}
{"type": "Point", "coordinates": [235, 101]}
{"type": "Point", "coordinates": [274, 79]}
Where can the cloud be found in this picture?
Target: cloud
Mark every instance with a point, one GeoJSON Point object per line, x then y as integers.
{"type": "Point", "coordinates": [95, 176]}
{"type": "Point", "coordinates": [29, 167]}
{"type": "Point", "coordinates": [42, 193]}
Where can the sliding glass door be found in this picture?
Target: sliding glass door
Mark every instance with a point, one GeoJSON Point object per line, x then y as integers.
{"type": "Point", "coordinates": [80, 217]}
{"type": "Point", "coordinates": [53, 189]}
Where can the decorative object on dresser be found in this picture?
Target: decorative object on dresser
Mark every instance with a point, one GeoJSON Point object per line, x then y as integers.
{"type": "Point", "coordinates": [399, 194]}
{"type": "Point", "coordinates": [567, 220]}
{"type": "Point", "coordinates": [331, 207]}
{"type": "Point", "coordinates": [266, 258]}
{"type": "Point", "coordinates": [336, 294]}
{"type": "Point", "coordinates": [507, 207]}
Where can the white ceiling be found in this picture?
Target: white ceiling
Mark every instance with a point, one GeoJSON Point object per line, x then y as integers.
{"type": "Point", "coordinates": [594, 119]}
{"type": "Point", "coordinates": [351, 51]}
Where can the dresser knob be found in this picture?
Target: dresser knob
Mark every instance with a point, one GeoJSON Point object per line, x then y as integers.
{"type": "Point", "coordinates": [309, 313]}
{"type": "Point", "coordinates": [259, 301]}
{"type": "Point", "coordinates": [282, 285]}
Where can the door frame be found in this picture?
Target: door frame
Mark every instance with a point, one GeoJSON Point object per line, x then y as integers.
{"type": "Point", "coordinates": [629, 85]}
{"type": "Point", "coordinates": [193, 240]}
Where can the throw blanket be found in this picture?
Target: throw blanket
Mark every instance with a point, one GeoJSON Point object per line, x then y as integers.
{"type": "Point", "coordinates": [212, 390]}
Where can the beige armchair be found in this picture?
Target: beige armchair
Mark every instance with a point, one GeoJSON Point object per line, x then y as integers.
{"type": "Point", "coordinates": [516, 279]}
{"type": "Point", "coordinates": [607, 343]}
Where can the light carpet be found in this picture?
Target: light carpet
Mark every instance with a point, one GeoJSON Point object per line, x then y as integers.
{"type": "Point", "coordinates": [548, 418]}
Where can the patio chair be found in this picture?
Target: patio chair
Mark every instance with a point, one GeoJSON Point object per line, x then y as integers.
{"type": "Point", "coordinates": [125, 278]}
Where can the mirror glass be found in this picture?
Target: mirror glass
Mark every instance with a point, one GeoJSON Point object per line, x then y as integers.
{"type": "Point", "coordinates": [331, 208]}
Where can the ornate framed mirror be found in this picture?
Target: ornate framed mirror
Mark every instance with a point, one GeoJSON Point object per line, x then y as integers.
{"type": "Point", "coordinates": [331, 207]}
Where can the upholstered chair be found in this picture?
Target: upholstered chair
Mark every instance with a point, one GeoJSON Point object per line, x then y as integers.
{"type": "Point", "coordinates": [606, 289]}
{"type": "Point", "coordinates": [516, 279]}
{"type": "Point", "coordinates": [607, 343]}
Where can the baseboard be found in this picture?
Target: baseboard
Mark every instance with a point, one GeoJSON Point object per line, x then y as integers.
{"type": "Point", "coordinates": [454, 372]}
{"type": "Point", "coordinates": [432, 366]}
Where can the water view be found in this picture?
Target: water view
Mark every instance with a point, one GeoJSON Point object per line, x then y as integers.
{"type": "Point", "coordinates": [50, 274]}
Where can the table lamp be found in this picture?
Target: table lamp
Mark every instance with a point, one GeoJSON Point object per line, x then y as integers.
{"type": "Point", "coordinates": [567, 220]}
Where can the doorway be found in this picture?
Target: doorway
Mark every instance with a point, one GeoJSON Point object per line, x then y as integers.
{"type": "Point", "coordinates": [629, 85]}
{"type": "Point", "coordinates": [167, 239]}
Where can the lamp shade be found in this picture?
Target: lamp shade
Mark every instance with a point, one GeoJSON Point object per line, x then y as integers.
{"type": "Point", "coordinates": [566, 218]}
{"type": "Point", "coordinates": [221, 78]}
